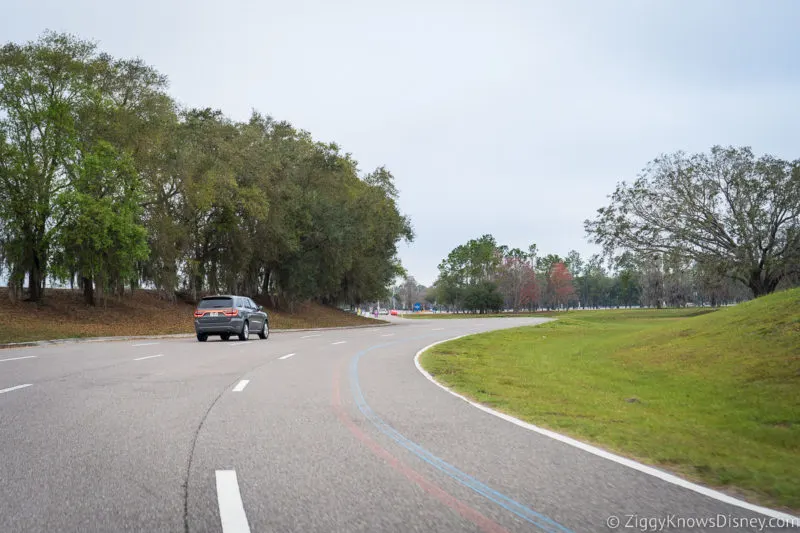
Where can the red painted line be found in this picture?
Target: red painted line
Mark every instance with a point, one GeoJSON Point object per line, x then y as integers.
{"type": "Point", "coordinates": [485, 524]}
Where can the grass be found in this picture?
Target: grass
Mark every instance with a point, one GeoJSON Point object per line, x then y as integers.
{"type": "Point", "coordinates": [63, 315]}
{"type": "Point", "coordinates": [714, 397]}
{"type": "Point", "coordinates": [445, 316]}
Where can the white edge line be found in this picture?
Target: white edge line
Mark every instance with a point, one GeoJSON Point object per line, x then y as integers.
{"type": "Point", "coordinates": [339, 342]}
{"type": "Point", "coordinates": [145, 344]}
{"type": "Point", "coordinates": [148, 357]}
{"type": "Point", "coordinates": [669, 478]}
{"type": "Point", "coordinates": [15, 388]}
{"type": "Point", "coordinates": [18, 358]}
{"type": "Point", "coordinates": [241, 385]}
{"type": "Point", "coordinates": [310, 336]}
{"type": "Point", "coordinates": [231, 509]}
{"type": "Point", "coordinates": [287, 356]}
{"type": "Point", "coordinates": [388, 335]}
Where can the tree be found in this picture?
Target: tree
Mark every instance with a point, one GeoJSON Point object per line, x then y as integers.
{"type": "Point", "coordinates": [627, 273]}
{"type": "Point", "coordinates": [515, 276]}
{"type": "Point", "coordinates": [473, 262]}
{"type": "Point", "coordinates": [101, 236]}
{"type": "Point", "coordinates": [574, 263]}
{"type": "Point", "coordinates": [725, 208]}
{"type": "Point", "coordinates": [561, 288]}
{"type": "Point", "coordinates": [483, 297]}
{"type": "Point", "coordinates": [432, 296]}
{"type": "Point", "coordinates": [42, 84]}
{"type": "Point", "coordinates": [410, 292]}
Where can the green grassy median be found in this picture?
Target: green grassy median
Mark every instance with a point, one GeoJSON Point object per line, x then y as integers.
{"type": "Point", "coordinates": [714, 397]}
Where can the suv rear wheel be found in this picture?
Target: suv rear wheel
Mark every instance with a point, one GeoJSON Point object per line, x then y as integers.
{"type": "Point", "coordinates": [245, 334]}
{"type": "Point", "coordinates": [202, 337]}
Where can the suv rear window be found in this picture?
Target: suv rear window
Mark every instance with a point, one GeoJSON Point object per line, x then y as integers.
{"type": "Point", "coordinates": [215, 303]}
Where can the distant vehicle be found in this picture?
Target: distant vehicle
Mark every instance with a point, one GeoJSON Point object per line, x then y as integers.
{"type": "Point", "coordinates": [227, 315]}
{"type": "Point", "coordinates": [383, 312]}
{"type": "Point", "coordinates": [393, 312]}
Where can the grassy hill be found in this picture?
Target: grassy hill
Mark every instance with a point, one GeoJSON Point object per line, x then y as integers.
{"type": "Point", "coordinates": [64, 315]}
{"type": "Point", "coordinates": [713, 396]}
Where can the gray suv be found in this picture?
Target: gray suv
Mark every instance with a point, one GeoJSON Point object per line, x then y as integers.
{"type": "Point", "coordinates": [227, 315]}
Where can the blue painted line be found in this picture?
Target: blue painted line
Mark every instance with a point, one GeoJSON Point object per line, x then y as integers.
{"type": "Point", "coordinates": [539, 520]}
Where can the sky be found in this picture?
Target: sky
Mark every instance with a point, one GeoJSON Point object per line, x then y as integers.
{"type": "Point", "coordinates": [513, 118]}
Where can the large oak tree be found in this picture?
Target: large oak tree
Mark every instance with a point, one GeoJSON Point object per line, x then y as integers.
{"type": "Point", "coordinates": [725, 210]}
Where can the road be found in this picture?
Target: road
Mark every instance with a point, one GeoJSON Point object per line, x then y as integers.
{"type": "Point", "coordinates": [325, 431]}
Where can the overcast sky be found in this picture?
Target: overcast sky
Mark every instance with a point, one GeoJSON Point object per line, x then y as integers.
{"type": "Point", "coordinates": [514, 118]}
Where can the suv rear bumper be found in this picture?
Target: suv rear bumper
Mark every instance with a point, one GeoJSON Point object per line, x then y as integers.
{"type": "Point", "coordinates": [233, 325]}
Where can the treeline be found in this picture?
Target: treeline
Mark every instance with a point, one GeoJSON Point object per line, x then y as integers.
{"type": "Point", "coordinates": [481, 276]}
{"type": "Point", "coordinates": [106, 183]}
{"type": "Point", "coordinates": [703, 229]}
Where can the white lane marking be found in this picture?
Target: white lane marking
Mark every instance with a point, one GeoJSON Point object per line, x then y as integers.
{"type": "Point", "coordinates": [310, 336]}
{"type": "Point", "coordinates": [287, 356]}
{"type": "Point", "coordinates": [242, 384]}
{"type": "Point", "coordinates": [231, 509]}
{"type": "Point", "coordinates": [145, 344]}
{"type": "Point", "coordinates": [148, 357]}
{"type": "Point", "coordinates": [388, 335]}
{"type": "Point", "coordinates": [669, 478]}
{"type": "Point", "coordinates": [15, 388]}
{"type": "Point", "coordinates": [437, 329]}
{"type": "Point", "coordinates": [18, 358]}
{"type": "Point", "coordinates": [339, 342]}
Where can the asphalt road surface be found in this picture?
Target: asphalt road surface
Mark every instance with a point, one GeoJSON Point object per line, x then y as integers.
{"type": "Point", "coordinates": [326, 431]}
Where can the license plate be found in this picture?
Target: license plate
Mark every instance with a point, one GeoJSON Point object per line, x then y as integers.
{"type": "Point", "coordinates": [214, 314]}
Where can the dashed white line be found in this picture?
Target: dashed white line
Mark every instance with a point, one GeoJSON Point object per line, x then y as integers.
{"type": "Point", "coordinates": [287, 356]}
{"type": "Point", "coordinates": [18, 358]}
{"type": "Point", "coordinates": [339, 342]}
{"type": "Point", "coordinates": [145, 344]}
{"type": "Point", "coordinates": [310, 336]}
{"type": "Point", "coordinates": [241, 385]}
{"type": "Point", "coordinates": [231, 509]}
{"type": "Point", "coordinates": [15, 388]}
{"type": "Point", "coordinates": [388, 335]}
{"type": "Point", "coordinates": [437, 329]}
{"type": "Point", "coordinates": [148, 357]}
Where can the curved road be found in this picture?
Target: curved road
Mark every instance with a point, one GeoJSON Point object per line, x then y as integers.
{"type": "Point", "coordinates": [345, 435]}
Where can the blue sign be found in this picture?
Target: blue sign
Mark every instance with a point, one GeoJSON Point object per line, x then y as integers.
{"type": "Point", "coordinates": [417, 307]}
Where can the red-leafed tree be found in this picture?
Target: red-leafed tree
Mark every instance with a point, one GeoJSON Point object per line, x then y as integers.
{"type": "Point", "coordinates": [561, 289]}
{"type": "Point", "coordinates": [515, 278]}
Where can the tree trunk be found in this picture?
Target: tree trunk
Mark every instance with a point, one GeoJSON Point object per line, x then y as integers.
{"type": "Point", "coordinates": [762, 283]}
{"type": "Point", "coordinates": [35, 281]}
{"type": "Point", "coordinates": [15, 284]}
{"type": "Point", "coordinates": [88, 291]}
{"type": "Point", "coordinates": [265, 284]}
